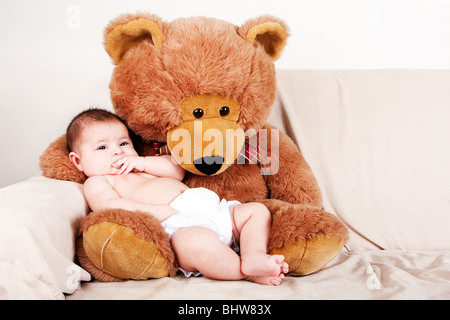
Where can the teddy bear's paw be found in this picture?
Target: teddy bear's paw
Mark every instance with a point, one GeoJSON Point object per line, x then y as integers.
{"type": "Point", "coordinates": [122, 253]}
{"type": "Point", "coordinates": [308, 256]}
{"type": "Point", "coordinates": [120, 245]}
{"type": "Point", "coordinates": [307, 236]}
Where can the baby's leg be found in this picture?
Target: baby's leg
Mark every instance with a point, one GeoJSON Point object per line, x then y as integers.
{"type": "Point", "coordinates": [252, 222]}
{"type": "Point", "coordinates": [200, 249]}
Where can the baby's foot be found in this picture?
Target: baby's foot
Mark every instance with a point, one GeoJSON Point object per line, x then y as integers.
{"type": "Point", "coordinates": [264, 268]}
{"type": "Point", "coordinates": [270, 281]}
{"type": "Point", "coordinates": [259, 264]}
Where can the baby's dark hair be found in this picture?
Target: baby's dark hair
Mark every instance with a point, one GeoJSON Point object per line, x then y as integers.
{"type": "Point", "coordinates": [84, 118]}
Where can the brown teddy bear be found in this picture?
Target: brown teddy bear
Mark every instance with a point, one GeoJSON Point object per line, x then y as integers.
{"type": "Point", "coordinates": [205, 88]}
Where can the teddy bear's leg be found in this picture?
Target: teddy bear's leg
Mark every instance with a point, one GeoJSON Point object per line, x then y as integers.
{"type": "Point", "coordinates": [308, 237]}
{"type": "Point", "coordinates": [118, 245]}
{"type": "Point", "coordinates": [308, 256]}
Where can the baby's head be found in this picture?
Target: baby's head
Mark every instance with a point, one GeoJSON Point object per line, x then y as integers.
{"type": "Point", "coordinates": [96, 139]}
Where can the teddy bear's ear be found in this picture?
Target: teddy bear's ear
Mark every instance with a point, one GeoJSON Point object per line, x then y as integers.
{"type": "Point", "coordinates": [270, 32]}
{"type": "Point", "coordinates": [128, 31]}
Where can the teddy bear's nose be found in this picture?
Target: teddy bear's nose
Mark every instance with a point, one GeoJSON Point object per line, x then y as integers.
{"type": "Point", "coordinates": [209, 165]}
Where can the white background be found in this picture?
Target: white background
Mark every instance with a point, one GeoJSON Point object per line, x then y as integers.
{"type": "Point", "coordinates": [53, 65]}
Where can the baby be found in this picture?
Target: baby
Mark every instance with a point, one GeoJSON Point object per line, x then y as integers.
{"type": "Point", "coordinates": [204, 231]}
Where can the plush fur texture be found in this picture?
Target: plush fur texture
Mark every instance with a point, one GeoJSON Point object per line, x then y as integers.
{"type": "Point", "coordinates": [200, 56]}
{"type": "Point", "coordinates": [55, 162]}
{"type": "Point", "coordinates": [160, 65]}
{"type": "Point", "coordinates": [141, 223]}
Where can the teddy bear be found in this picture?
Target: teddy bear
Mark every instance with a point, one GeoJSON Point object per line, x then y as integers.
{"type": "Point", "coordinates": [201, 89]}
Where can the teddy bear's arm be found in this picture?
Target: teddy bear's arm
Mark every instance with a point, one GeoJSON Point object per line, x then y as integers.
{"type": "Point", "coordinates": [290, 172]}
{"type": "Point", "coordinates": [55, 163]}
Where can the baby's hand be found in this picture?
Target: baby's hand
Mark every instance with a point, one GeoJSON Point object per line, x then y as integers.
{"type": "Point", "coordinates": [130, 163]}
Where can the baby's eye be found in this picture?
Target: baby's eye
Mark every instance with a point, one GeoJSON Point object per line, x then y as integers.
{"type": "Point", "coordinates": [101, 148]}
{"type": "Point", "coordinates": [124, 144]}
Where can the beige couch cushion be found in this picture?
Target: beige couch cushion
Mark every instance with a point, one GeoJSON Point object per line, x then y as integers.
{"type": "Point", "coordinates": [39, 220]}
{"type": "Point", "coordinates": [379, 144]}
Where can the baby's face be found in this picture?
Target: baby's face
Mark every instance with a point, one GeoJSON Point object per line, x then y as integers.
{"type": "Point", "coordinates": [101, 145]}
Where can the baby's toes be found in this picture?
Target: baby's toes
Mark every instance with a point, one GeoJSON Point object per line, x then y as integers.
{"type": "Point", "coordinates": [285, 267]}
{"type": "Point", "coordinates": [279, 259]}
{"type": "Point", "coordinates": [275, 281]}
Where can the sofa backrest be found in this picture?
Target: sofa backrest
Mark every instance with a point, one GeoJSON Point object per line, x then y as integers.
{"type": "Point", "coordinates": [378, 141]}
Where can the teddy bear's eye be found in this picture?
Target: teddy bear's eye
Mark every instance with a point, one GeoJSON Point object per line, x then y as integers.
{"type": "Point", "coordinates": [224, 111]}
{"type": "Point", "coordinates": [198, 113]}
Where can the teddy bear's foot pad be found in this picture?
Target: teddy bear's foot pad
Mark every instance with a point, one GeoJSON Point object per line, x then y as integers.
{"type": "Point", "coordinates": [308, 256]}
{"type": "Point", "coordinates": [105, 244]}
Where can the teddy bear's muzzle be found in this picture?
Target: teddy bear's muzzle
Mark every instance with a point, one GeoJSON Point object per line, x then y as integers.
{"type": "Point", "coordinates": [206, 147]}
{"type": "Point", "coordinates": [209, 165]}
{"type": "Point", "coordinates": [210, 138]}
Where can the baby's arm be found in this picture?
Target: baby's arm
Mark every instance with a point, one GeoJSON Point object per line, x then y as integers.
{"type": "Point", "coordinates": [160, 166]}
{"type": "Point", "coordinates": [101, 195]}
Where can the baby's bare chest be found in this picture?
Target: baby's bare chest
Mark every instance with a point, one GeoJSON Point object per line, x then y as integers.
{"type": "Point", "coordinates": [125, 184]}
{"type": "Point", "coordinates": [142, 187]}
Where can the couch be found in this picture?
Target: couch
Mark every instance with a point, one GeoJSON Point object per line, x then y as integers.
{"type": "Point", "coordinates": [378, 142]}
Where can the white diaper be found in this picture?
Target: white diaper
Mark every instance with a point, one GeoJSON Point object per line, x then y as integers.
{"type": "Point", "coordinates": [201, 207]}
